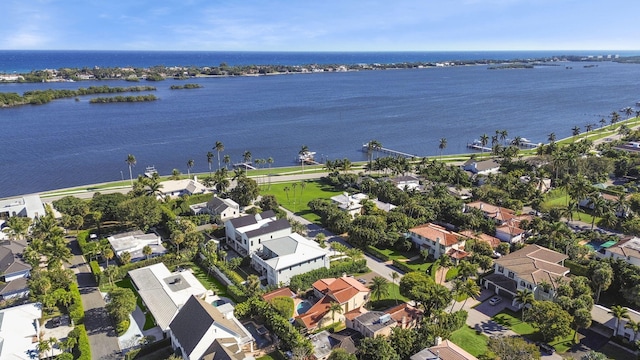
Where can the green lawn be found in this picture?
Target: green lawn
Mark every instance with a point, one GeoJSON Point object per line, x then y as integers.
{"type": "Point", "coordinates": [209, 281]}
{"type": "Point", "coordinates": [418, 264]}
{"type": "Point", "coordinates": [512, 320]}
{"type": "Point", "coordinates": [297, 198]}
{"type": "Point", "coordinates": [276, 355]}
{"type": "Point", "coordinates": [392, 298]}
{"type": "Point", "coordinates": [468, 339]}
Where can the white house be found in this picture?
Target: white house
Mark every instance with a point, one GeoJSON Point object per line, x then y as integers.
{"type": "Point", "coordinates": [201, 331]}
{"type": "Point", "coordinates": [602, 316]}
{"type": "Point", "coordinates": [406, 182]}
{"type": "Point", "coordinates": [19, 331]}
{"type": "Point", "coordinates": [507, 222]}
{"type": "Point", "coordinates": [176, 188]}
{"type": "Point", "coordinates": [134, 241]}
{"type": "Point", "coordinates": [246, 234]}
{"type": "Point", "coordinates": [349, 203]}
{"type": "Point", "coordinates": [281, 258]}
{"type": "Point", "coordinates": [438, 241]}
{"type": "Point", "coordinates": [164, 292]}
{"type": "Point", "coordinates": [483, 167]}
{"type": "Point", "coordinates": [532, 268]}
{"type": "Point", "coordinates": [27, 206]}
{"type": "Point", "coordinates": [224, 208]}
{"type": "Point", "coordinates": [627, 249]}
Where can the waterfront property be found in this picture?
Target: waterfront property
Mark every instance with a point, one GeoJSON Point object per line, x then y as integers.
{"type": "Point", "coordinates": [26, 206]}
{"type": "Point", "coordinates": [200, 331]}
{"type": "Point", "coordinates": [134, 242]}
{"type": "Point", "coordinates": [349, 203]}
{"type": "Point", "coordinates": [481, 167]}
{"type": "Point", "coordinates": [164, 292]}
{"type": "Point", "coordinates": [223, 208]}
{"type": "Point", "coordinates": [438, 241]}
{"type": "Point", "coordinates": [406, 182]}
{"type": "Point", "coordinates": [533, 268]}
{"type": "Point", "coordinates": [176, 188]}
{"type": "Point", "coordinates": [281, 258]}
{"type": "Point", "coordinates": [246, 234]}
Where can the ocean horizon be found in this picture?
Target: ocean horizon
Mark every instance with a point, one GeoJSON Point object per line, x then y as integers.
{"type": "Point", "coordinates": [71, 142]}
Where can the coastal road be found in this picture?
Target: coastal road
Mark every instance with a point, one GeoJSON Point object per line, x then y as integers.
{"type": "Point", "coordinates": [102, 335]}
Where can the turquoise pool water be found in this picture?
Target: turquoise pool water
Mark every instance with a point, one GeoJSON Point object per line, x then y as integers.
{"type": "Point", "coordinates": [303, 307]}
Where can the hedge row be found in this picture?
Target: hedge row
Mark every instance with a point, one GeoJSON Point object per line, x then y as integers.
{"type": "Point", "coordinates": [377, 253]}
{"type": "Point", "coordinates": [232, 275]}
{"type": "Point", "coordinates": [237, 293]}
{"type": "Point", "coordinates": [95, 269]}
{"type": "Point", "coordinates": [82, 238]}
{"type": "Point", "coordinates": [82, 351]}
{"type": "Point", "coordinates": [304, 281]}
{"type": "Point", "coordinates": [402, 266]}
{"type": "Point", "coordinates": [576, 268]}
{"type": "Point", "coordinates": [76, 311]}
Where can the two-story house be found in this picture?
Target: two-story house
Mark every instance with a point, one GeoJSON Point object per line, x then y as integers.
{"type": "Point", "coordinates": [14, 272]}
{"type": "Point", "coordinates": [346, 291]}
{"type": "Point", "coordinates": [223, 208]}
{"type": "Point", "coordinates": [532, 268]}
{"type": "Point", "coordinates": [507, 222]}
{"type": "Point", "coordinates": [438, 241]}
{"type": "Point", "coordinates": [246, 234]}
{"type": "Point", "coordinates": [627, 249]}
{"type": "Point", "coordinates": [372, 324]}
{"type": "Point", "coordinates": [281, 258]}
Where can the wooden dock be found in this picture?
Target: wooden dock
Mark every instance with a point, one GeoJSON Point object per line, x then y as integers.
{"type": "Point", "coordinates": [478, 147]}
{"type": "Point", "coordinates": [244, 165]}
{"type": "Point", "coordinates": [365, 148]}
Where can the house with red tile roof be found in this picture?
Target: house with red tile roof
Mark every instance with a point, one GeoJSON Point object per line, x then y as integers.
{"type": "Point", "coordinates": [346, 291]}
{"type": "Point", "coordinates": [405, 315]}
{"type": "Point", "coordinates": [507, 222]}
{"type": "Point", "coordinates": [534, 268]}
{"type": "Point", "coordinates": [438, 241]}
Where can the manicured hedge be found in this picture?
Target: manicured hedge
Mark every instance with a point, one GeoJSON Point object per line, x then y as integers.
{"type": "Point", "coordinates": [82, 351]}
{"type": "Point", "coordinates": [304, 281]}
{"type": "Point", "coordinates": [377, 253]}
{"type": "Point", "coordinates": [95, 269]}
{"type": "Point", "coordinates": [82, 238]}
{"type": "Point", "coordinates": [236, 293]}
{"type": "Point", "coordinates": [76, 311]}
{"type": "Point", "coordinates": [283, 305]}
{"type": "Point", "coordinates": [402, 266]}
{"type": "Point", "coordinates": [575, 268]}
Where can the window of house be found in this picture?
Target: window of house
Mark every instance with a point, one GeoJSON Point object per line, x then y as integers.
{"type": "Point", "coordinates": [244, 241]}
{"type": "Point", "coordinates": [521, 283]}
{"type": "Point", "coordinates": [529, 287]}
{"type": "Point", "coordinates": [251, 242]}
{"type": "Point", "coordinates": [511, 275]}
{"type": "Point", "coordinates": [500, 269]}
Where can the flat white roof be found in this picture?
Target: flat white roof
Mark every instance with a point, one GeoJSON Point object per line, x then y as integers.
{"type": "Point", "coordinates": [292, 250]}
{"type": "Point", "coordinates": [19, 331]}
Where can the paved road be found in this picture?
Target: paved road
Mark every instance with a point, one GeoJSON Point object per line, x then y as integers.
{"type": "Point", "coordinates": [379, 267]}
{"type": "Point", "coordinates": [102, 335]}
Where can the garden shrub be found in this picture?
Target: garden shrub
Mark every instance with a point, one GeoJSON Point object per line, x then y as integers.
{"type": "Point", "coordinates": [237, 293]}
{"type": "Point", "coordinates": [82, 351]}
{"type": "Point", "coordinates": [402, 266]}
{"type": "Point", "coordinates": [377, 253]}
{"type": "Point", "coordinates": [283, 305]}
{"type": "Point", "coordinates": [95, 269]}
{"type": "Point", "coordinates": [76, 311]}
{"type": "Point", "coordinates": [123, 326]}
{"type": "Point", "coordinates": [304, 281]}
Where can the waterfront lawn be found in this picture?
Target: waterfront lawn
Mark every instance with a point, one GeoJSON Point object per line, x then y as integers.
{"type": "Point", "coordinates": [295, 199]}
{"type": "Point", "coordinates": [468, 339]}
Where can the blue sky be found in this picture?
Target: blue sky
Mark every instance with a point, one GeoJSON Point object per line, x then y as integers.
{"type": "Point", "coordinates": [327, 25]}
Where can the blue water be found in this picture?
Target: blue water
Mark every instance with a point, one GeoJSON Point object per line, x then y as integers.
{"type": "Point", "coordinates": [303, 307]}
{"type": "Point", "coordinates": [68, 143]}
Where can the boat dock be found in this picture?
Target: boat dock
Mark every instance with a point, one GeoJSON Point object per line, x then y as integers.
{"type": "Point", "coordinates": [365, 148]}
{"type": "Point", "coordinates": [475, 146]}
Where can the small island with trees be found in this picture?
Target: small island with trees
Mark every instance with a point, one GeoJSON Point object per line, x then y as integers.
{"type": "Point", "coordinates": [185, 86]}
{"type": "Point", "coordinates": [39, 97]}
{"type": "Point", "coordinates": [119, 99]}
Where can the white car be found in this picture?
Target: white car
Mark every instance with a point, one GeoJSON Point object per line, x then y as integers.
{"type": "Point", "coordinates": [495, 300]}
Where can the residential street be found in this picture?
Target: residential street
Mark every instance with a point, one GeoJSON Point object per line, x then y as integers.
{"type": "Point", "coordinates": [102, 335]}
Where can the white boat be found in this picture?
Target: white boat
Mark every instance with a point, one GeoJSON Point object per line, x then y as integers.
{"type": "Point", "coordinates": [306, 156]}
{"type": "Point", "coordinates": [150, 171]}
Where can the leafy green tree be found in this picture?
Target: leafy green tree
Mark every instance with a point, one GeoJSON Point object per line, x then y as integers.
{"type": "Point", "coordinates": [71, 205]}
{"type": "Point", "coordinates": [551, 320]}
{"type": "Point", "coordinates": [245, 191]}
{"type": "Point", "coordinates": [142, 212]}
{"type": "Point", "coordinates": [107, 204]}
{"type": "Point", "coordinates": [341, 354]}
{"type": "Point", "coordinates": [581, 320]}
{"type": "Point", "coordinates": [619, 312]}
{"type": "Point", "coordinates": [252, 286]}
{"type": "Point", "coordinates": [17, 227]}
{"type": "Point", "coordinates": [122, 302]}
{"type": "Point", "coordinates": [404, 341]}
{"type": "Point", "coordinates": [284, 305]}
{"type": "Point", "coordinates": [601, 277]}
{"type": "Point", "coordinates": [513, 348]}
{"type": "Point", "coordinates": [377, 348]}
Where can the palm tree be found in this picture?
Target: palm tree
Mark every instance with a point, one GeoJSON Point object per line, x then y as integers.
{"type": "Point", "coordinates": [219, 147]}
{"type": "Point", "coordinates": [599, 205]}
{"type": "Point", "coordinates": [484, 140]}
{"type": "Point", "coordinates": [634, 326]}
{"type": "Point", "coordinates": [618, 312]}
{"type": "Point", "coordinates": [469, 289]}
{"type": "Point", "coordinates": [190, 164]}
{"type": "Point", "coordinates": [334, 308]}
{"type": "Point", "coordinates": [615, 117]}
{"type": "Point", "coordinates": [552, 137]}
{"type": "Point", "coordinates": [394, 277]}
{"type": "Point", "coordinates": [444, 262]}
{"type": "Point", "coordinates": [210, 160]}
{"type": "Point", "coordinates": [588, 127]}
{"type": "Point", "coordinates": [270, 162]}
{"type": "Point", "coordinates": [503, 136]}
{"type": "Point", "coordinates": [575, 131]}
{"type": "Point", "coordinates": [524, 297]}
{"type": "Point", "coordinates": [226, 160]}
{"type": "Point", "coordinates": [603, 122]}
{"type": "Point", "coordinates": [442, 145]}
{"type": "Point", "coordinates": [304, 151]}
{"type": "Point", "coordinates": [108, 254]}
{"type": "Point", "coordinates": [246, 156]}
{"type": "Point", "coordinates": [379, 287]}
{"type": "Point", "coordinates": [147, 251]}
{"type": "Point", "coordinates": [373, 145]}
{"type": "Point", "coordinates": [131, 161]}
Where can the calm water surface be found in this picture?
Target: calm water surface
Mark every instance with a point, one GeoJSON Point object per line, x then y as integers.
{"type": "Point", "coordinates": [68, 143]}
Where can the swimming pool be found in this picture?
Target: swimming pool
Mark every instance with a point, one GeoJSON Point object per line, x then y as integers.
{"type": "Point", "coordinates": [303, 307]}
{"type": "Point", "coordinates": [218, 302]}
{"type": "Point", "coordinates": [259, 334]}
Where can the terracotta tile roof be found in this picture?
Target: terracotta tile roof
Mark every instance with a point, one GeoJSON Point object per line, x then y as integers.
{"type": "Point", "coordinates": [511, 229]}
{"type": "Point", "coordinates": [333, 285]}
{"type": "Point", "coordinates": [491, 240]}
{"type": "Point", "coordinates": [457, 254]}
{"type": "Point", "coordinates": [355, 313]}
{"type": "Point", "coordinates": [495, 212]}
{"type": "Point", "coordinates": [437, 233]}
{"type": "Point", "coordinates": [406, 312]}
{"type": "Point", "coordinates": [338, 290]}
{"type": "Point", "coordinates": [285, 291]}
{"type": "Point", "coordinates": [312, 317]}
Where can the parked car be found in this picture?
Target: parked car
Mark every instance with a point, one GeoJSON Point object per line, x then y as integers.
{"type": "Point", "coordinates": [495, 300]}
{"type": "Point", "coordinates": [546, 348]}
{"type": "Point", "coordinates": [56, 321]}
{"type": "Point", "coordinates": [362, 281]}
